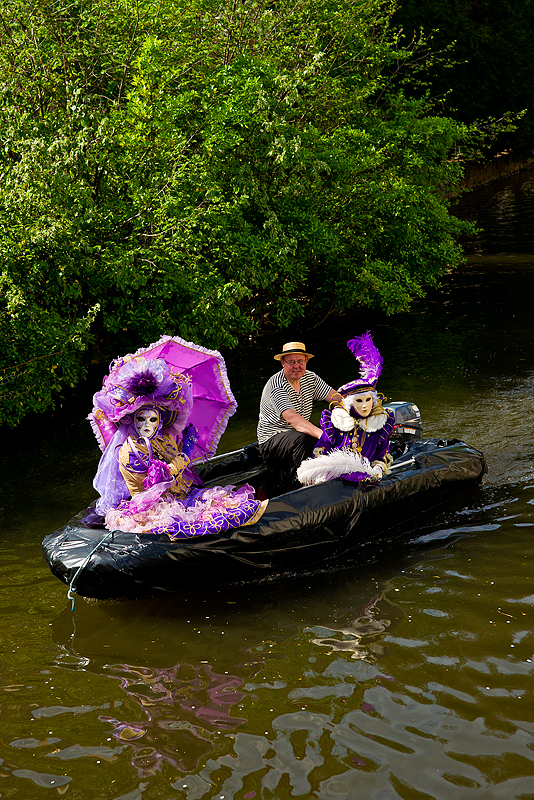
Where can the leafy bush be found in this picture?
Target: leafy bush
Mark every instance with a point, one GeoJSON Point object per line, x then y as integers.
{"type": "Point", "coordinates": [205, 170]}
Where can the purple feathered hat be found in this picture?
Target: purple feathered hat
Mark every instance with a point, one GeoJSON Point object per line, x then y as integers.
{"type": "Point", "coordinates": [136, 381]}
{"type": "Point", "coordinates": [370, 365]}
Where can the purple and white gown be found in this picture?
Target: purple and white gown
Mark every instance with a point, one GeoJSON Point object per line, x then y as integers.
{"type": "Point", "coordinates": [353, 454]}
{"type": "Point", "coordinates": [167, 496]}
{"type": "Point", "coordinates": [145, 481]}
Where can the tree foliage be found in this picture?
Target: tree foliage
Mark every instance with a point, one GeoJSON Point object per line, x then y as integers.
{"type": "Point", "coordinates": [206, 168]}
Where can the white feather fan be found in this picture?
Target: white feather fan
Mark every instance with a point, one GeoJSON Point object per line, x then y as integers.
{"type": "Point", "coordinates": [330, 466]}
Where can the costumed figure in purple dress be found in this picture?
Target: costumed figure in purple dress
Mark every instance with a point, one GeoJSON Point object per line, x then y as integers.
{"type": "Point", "coordinates": [356, 432]}
{"type": "Point", "coordinates": [144, 478]}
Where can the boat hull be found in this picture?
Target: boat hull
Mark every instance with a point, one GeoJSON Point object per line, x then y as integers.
{"type": "Point", "coordinates": [301, 530]}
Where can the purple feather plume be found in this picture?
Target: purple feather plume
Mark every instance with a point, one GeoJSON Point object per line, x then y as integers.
{"type": "Point", "coordinates": [142, 385]}
{"type": "Point", "coordinates": [366, 352]}
{"type": "Point", "coordinates": [145, 377]}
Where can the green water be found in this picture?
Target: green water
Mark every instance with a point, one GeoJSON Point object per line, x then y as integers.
{"type": "Point", "coordinates": [408, 677]}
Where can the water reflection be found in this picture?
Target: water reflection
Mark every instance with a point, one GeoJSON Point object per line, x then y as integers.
{"type": "Point", "coordinates": [318, 687]}
{"type": "Point", "coordinates": [181, 708]}
{"type": "Point", "coordinates": [197, 717]}
{"type": "Point", "coordinates": [363, 637]}
{"type": "Point", "coordinates": [504, 212]}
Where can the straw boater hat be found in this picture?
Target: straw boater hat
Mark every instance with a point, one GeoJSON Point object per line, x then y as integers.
{"type": "Point", "coordinates": [292, 347]}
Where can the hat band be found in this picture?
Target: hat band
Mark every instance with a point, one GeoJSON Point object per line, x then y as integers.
{"type": "Point", "coordinates": [293, 347]}
{"type": "Point", "coordinates": [349, 389]}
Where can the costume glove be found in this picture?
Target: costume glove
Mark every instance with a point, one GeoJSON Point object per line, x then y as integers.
{"type": "Point", "coordinates": [342, 420]}
{"type": "Point", "coordinates": [189, 439]}
{"type": "Point", "coordinates": [378, 471]}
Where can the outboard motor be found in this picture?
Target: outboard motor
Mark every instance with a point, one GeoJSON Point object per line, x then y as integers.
{"type": "Point", "coordinates": [408, 426]}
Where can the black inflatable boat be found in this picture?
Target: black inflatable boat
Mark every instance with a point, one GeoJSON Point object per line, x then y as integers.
{"type": "Point", "coordinates": [300, 530]}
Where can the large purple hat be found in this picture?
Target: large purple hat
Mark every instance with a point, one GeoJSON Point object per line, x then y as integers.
{"type": "Point", "coordinates": [186, 381]}
{"type": "Point", "coordinates": [136, 381]}
{"type": "Point", "coordinates": [370, 360]}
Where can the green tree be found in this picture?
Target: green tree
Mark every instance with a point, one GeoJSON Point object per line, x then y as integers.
{"type": "Point", "coordinates": [205, 169]}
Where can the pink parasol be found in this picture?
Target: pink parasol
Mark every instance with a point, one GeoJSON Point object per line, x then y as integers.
{"type": "Point", "coordinates": [205, 370]}
{"type": "Point", "coordinates": [213, 400]}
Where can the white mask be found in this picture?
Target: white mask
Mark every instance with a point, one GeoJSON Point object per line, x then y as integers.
{"type": "Point", "coordinates": [363, 404]}
{"type": "Point", "coordinates": [146, 422]}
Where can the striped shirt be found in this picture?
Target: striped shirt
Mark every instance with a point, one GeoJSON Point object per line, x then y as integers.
{"type": "Point", "coordinates": [279, 396]}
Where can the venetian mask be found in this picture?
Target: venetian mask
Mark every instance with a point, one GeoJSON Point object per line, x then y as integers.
{"type": "Point", "coordinates": [363, 404]}
{"type": "Point", "coordinates": [146, 422]}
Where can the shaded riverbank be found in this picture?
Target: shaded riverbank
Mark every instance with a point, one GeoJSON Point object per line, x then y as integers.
{"type": "Point", "coordinates": [501, 165]}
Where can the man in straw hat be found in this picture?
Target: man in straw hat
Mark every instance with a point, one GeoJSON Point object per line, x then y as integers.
{"type": "Point", "coordinates": [285, 433]}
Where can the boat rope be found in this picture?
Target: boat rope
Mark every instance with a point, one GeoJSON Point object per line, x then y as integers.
{"type": "Point", "coordinates": [84, 564]}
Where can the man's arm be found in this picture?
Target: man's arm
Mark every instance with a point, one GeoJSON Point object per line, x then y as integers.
{"type": "Point", "coordinates": [334, 396]}
{"type": "Point", "coordinates": [300, 423]}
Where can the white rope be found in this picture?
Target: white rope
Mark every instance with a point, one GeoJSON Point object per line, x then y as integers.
{"type": "Point", "coordinates": [84, 564]}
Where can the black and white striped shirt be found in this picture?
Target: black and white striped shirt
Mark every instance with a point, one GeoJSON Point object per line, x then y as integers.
{"type": "Point", "coordinates": [278, 396]}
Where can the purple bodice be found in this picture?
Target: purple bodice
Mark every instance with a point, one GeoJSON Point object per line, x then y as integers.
{"type": "Point", "coordinates": [374, 445]}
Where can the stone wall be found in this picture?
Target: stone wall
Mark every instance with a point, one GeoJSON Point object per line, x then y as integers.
{"type": "Point", "coordinates": [499, 166]}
